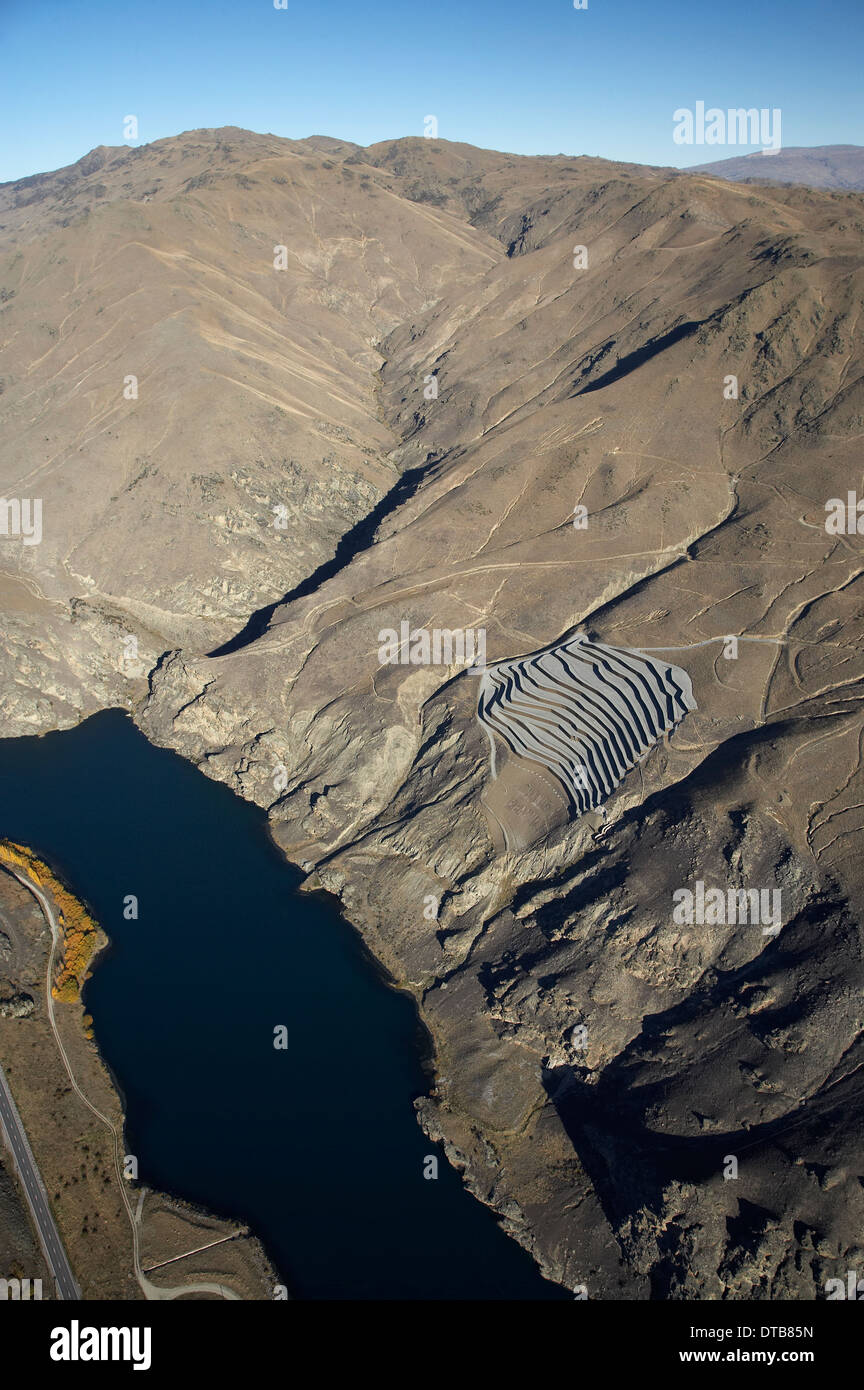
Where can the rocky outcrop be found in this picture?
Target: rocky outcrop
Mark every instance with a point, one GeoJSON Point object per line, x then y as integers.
{"type": "Point", "coordinates": [14, 1004]}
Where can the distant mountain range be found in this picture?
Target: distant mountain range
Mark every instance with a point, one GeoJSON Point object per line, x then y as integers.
{"type": "Point", "coordinates": [822, 166]}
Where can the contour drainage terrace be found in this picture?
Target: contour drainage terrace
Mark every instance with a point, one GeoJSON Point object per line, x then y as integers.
{"type": "Point", "coordinates": [586, 711]}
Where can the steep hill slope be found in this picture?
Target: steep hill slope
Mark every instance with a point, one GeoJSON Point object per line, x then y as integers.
{"type": "Point", "coordinates": [200, 426]}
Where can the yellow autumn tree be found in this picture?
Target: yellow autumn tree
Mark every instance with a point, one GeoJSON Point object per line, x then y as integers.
{"type": "Point", "coordinates": [80, 936]}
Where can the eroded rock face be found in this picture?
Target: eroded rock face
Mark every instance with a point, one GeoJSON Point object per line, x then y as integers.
{"type": "Point", "coordinates": [652, 1100]}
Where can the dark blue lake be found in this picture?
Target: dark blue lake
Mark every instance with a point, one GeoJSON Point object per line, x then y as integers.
{"type": "Point", "coordinates": [316, 1147]}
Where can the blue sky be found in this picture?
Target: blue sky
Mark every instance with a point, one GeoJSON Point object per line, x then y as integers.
{"type": "Point", "coordinates": [530, 76]}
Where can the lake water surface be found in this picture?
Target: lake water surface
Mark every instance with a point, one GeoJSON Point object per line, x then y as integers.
{"type": "Point", "coordinates": [316, 1147]}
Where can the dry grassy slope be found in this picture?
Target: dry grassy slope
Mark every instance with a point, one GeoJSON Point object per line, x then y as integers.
{"type": "Point", "coordinates": [257, 387]}
{"type": "Point", "coordinates": [605, 386]}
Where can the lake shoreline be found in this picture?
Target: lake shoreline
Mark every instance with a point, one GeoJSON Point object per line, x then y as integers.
{"type": "Point", "coordinates": [165, 1217]}
{"type": "Point", "coordinates": [228, 938]}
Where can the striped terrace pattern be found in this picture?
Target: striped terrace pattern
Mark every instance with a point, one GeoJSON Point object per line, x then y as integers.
{"type": "Point", "coordinates": [586, 711]}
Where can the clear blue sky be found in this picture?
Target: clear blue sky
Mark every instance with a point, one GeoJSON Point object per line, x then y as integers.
{"type": "Point", "coordinates": [531, 76]}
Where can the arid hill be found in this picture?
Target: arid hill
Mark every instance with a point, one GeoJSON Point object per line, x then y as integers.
{"type": "Point", "coordinates": [467, 353]}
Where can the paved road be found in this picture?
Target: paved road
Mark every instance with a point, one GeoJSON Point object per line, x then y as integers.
{"type": "Point", "coordinates": [37, 1197]}
{"type": "Point", "coordinates": [48, 1232]}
